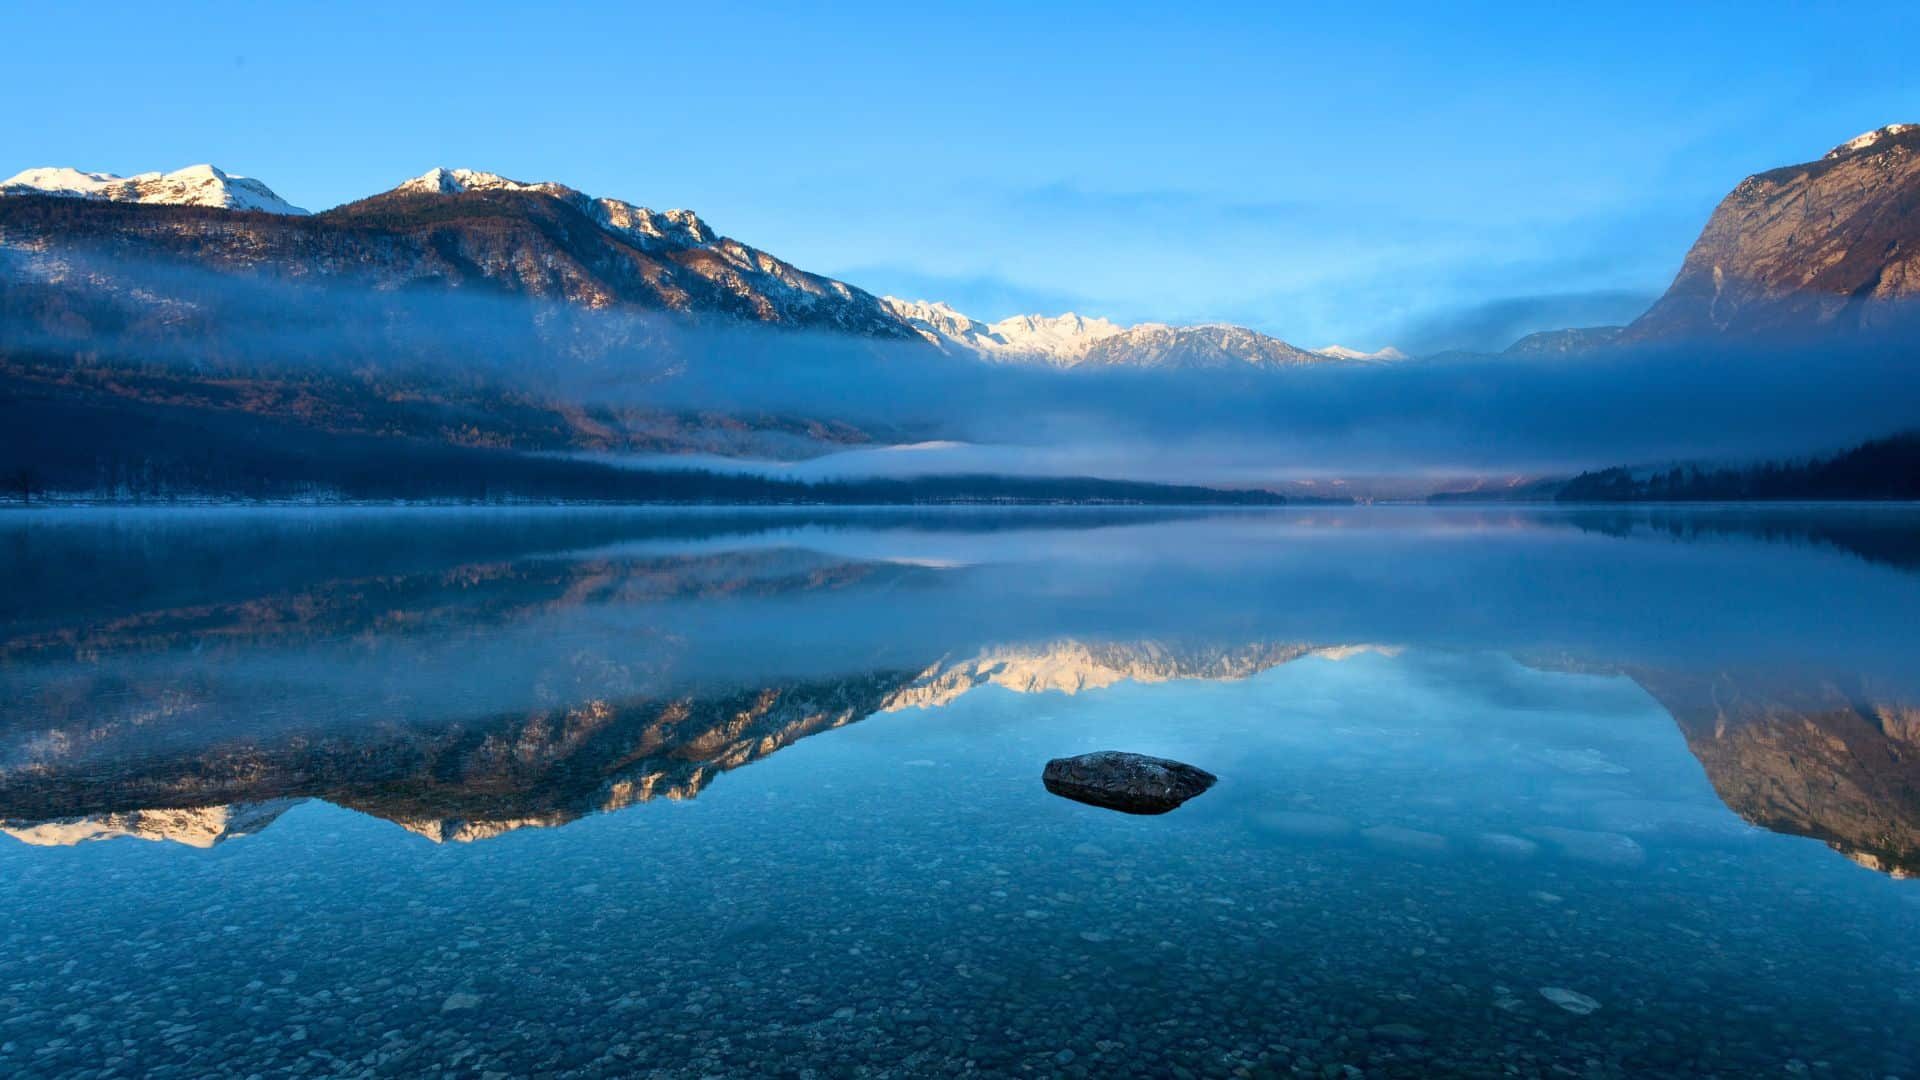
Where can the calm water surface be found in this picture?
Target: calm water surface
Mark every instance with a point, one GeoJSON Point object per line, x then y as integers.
{"type": "Point", "coordinates": [465, 793]}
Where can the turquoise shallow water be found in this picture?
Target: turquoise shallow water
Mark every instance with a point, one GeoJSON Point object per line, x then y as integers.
{"type": "Point", "coordinates": [642, 794]}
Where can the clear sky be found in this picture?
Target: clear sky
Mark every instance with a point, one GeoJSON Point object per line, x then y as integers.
{"type": "Point", "coordinates": [1425, 175]}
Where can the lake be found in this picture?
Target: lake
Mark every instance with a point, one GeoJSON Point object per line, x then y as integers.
{"type": "Point", "coordinates": [562, 792]}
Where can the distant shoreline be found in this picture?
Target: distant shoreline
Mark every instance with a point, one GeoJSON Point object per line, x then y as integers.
{"type": "Point", "coordinates": [217, 503]}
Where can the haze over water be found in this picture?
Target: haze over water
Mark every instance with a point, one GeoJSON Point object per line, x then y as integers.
{"type": "Point", "coordinates": [598, 793]}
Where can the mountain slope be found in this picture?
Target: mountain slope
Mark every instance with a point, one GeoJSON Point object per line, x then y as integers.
{"type": "Point", "coordinates": [462, 228]}
{"type": "Point", "coordinates": [195, 185]}
{"type": "Point", "coordinates": [1830, 246]}
{"type": "Point", "coordinates": [1564, 342]}
{"type": "Point", "coordinates": [439, 231]}
{"type": "Point", "coordinates": [381, 317]}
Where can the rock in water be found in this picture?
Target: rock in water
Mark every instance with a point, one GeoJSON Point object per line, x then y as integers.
{"type": "Point", "coordinates": [1131, 783]}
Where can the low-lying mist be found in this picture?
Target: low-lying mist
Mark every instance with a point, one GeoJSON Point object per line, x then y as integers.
{"type": "Point", "coordinates": [1415, 419]}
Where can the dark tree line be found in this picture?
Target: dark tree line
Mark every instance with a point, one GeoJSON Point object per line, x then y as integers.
{"type": "Point", "coordinates": [114, 449]}
{"type": "Point", "coordinates": [1881, 469]}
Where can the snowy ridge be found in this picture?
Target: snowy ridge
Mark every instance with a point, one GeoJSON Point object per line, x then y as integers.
{"type": "Point", "coordinates": [1073, 341]}
{"type": "Point", "coordinates": [777, 290]}
{"type": "Point", "coordinates": [680, 228]}
{"type": "Point", "coordinates": [697, 268]}
{"type": "Point", "coordinates": [1341, 352]}
{"type": "Point", "coordinates": [1061, 340]}
{"type": "Point", "coordinates": [1862, 142]}
{"type": "Point", "coordinates": [1070, 666]}
{"type": "Point", "coordinates": [1065, 339]}
{"type": "Point", "coordinates": [195, 185]}
{"type": "Point", "coordinates": [201, 827]}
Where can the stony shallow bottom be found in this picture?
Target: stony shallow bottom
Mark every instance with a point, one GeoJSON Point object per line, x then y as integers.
{"type": "Point", "coordinates": [900, 898]}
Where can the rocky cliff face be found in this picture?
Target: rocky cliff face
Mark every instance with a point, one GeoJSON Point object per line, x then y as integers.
{"type": "Point", "coordinates": [1827, 246]}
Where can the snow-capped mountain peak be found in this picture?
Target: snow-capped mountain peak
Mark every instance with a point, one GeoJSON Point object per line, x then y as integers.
{"type": "Point", "coordinates": [201, 827]}
{"type": "Point", "coordinates": [1862, 142]}
{"type": "Point", "coordinates": [682, 228]}
{"type": "Point", "coordinates": [1063, 336]}
{"type": "Point", "coordinates": [1075, 341]}
{"type": "Point", "coordinates": [195, 185]}
{"type": "Point", "coordinates": [938, 322]}
{"type": "Point", "coordinates": [1060, 340]}
{"type": "Point", "coordinates": [444, 181]}
{"type": "Point", "coordinates": [1341, 352]}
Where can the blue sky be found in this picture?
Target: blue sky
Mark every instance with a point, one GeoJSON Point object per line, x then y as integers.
{"type": "Point", "coordinates": [1423, 175]}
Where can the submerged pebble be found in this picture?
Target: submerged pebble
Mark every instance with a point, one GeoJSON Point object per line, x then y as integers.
{"type": "Point", "coordinates": [1571, 1000]}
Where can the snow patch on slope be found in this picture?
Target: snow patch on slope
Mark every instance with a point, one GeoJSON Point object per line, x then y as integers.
{"type": "Point", "coordinates": [777, 290]}
{"type": "Point", "coordinates": [682, 228]}
{"type": "Point", "coordinates": [1861, 142]}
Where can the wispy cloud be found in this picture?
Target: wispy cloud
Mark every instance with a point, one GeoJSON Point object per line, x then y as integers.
{"type": "Point", "coordinates": [1700, 400]}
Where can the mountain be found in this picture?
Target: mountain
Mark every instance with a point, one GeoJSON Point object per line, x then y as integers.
{"type": "Point", "coordinates": [478, 777]}
{"type": "Point", "coordinates": [1341, 352]}
{"type": "Point", "coordinates": [456, 783]}
{"type": "Point", "coordinates": [1075, 341]}
{"type": "Point", "coordinates": [463, 228]}
{"type": "Point", "coordinates": [1565, 342]}
{"type": "Point", "coordinates": [1060, 340]}
{"type": "Point", "coordinates": [195, 185]}
{"type": "Point", "coordinates": [1069, 667]}
{"type": "Point", "coordinates": [199, 827]}
{"type": "Point", "coordinates": [1795, 756]}
{"type": "Point", "coordinates": [1838, 763]}
{"type": "Point", "coordinates": [1218, 346]}
{"type": "Point", "coordinates": [177, 317]}
{"type": "Point", "coordinates": [1829, 246]}
{"type": "Point", "coordinates": [452, 229]}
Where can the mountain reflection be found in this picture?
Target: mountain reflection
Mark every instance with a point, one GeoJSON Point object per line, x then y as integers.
{"type": "Point", "coordinates": [473, 675]}
{"type": "Point", "coordinates": [1823, 761]}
